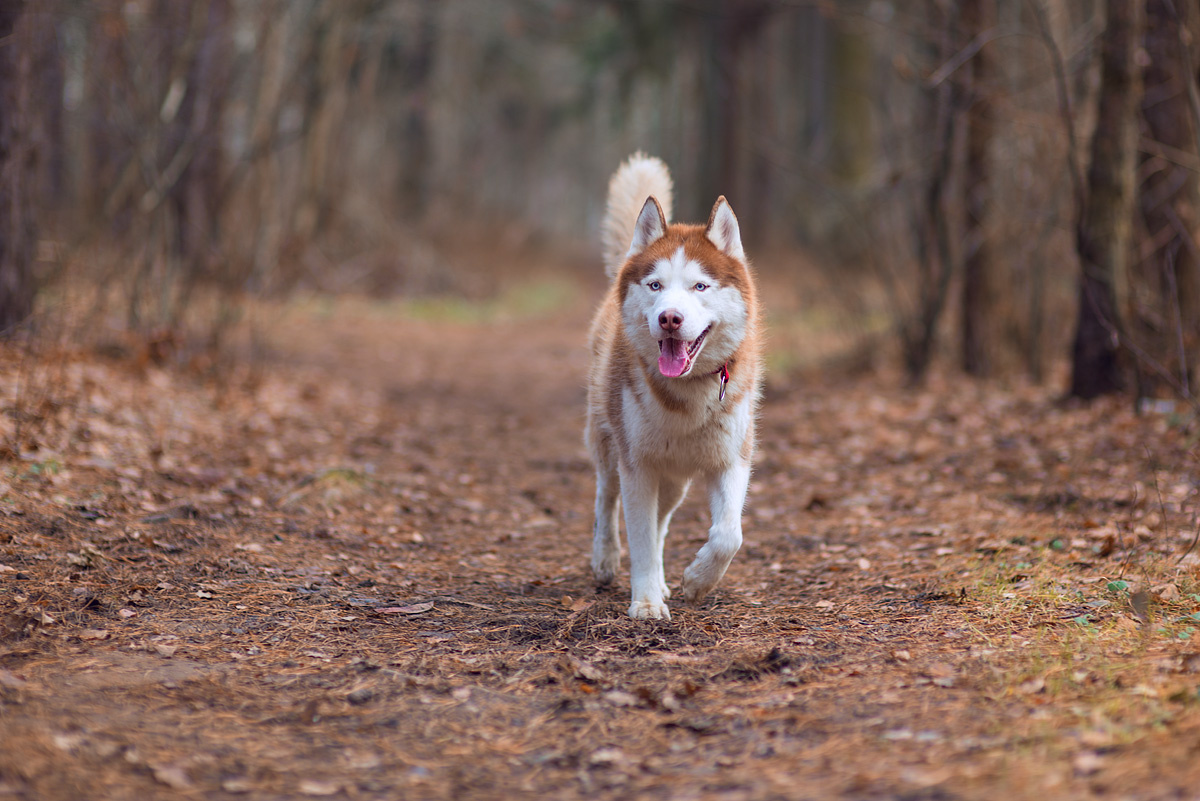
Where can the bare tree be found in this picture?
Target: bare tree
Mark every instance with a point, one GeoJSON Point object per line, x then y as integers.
{"type": "Point", "coordinates": [1165, 278]}
{"type": "Point", "coordinates": [1105, 228]}
{"type": "Point", "coordinates": [17, 230]}
{"type": "Point", "coordinates": [934, 252]}
{"type": "Point", "coordinates": [978, 290]}
{"type": "Point", "coordinates": [727, 27]}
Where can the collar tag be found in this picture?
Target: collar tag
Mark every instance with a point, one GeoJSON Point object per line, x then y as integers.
{"type": "Point", "coordinates": [724, 371]}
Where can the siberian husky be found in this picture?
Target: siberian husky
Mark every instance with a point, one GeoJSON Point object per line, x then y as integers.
{"type": "Point", "coordinates": [674, 383]}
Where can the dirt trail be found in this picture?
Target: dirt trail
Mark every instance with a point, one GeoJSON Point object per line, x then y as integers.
{"type": "Point", "coordinates": [362, 573]}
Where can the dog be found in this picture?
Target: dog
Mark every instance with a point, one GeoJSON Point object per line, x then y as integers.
{"type": "Point", "coordinates": [674, 385]}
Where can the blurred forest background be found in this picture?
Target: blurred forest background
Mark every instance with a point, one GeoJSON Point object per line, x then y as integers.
{"type": "Point", "coordinates": [996, 186]}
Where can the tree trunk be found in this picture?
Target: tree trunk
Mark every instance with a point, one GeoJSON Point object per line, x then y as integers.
{"type": "Point", "coordinates": [727, 27]}
{"type": "Point", "coordinates": [16, 159]}
{"type": "Point", "coordinates": [325, 110]}
{"type": "Point", "coordinates": [979, 296]}
{"type": "Point", "coordinates": [416, 149]}
{"type": "Point", "coordinates": [852, 139]}
{"type": "Point", "coordinates": [1104, 231]}
{"type": "Point", "coordinates": [1165, 314]}
{"type": "Point", "coordinates": [935, 256]}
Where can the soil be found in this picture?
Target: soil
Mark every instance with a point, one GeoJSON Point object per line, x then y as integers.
{"type": "Point", "coordinates": [357, 567]}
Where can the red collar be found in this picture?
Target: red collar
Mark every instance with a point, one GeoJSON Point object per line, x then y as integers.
{"type": "Point", "coordinates": [724, 373]}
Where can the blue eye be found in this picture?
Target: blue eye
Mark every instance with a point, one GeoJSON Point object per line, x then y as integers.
{"type": "Point", "coordinates": [654, 286]}
{"type": "Point", "coordinates": [700, 287]}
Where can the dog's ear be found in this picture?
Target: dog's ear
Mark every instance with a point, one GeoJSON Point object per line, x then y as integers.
{"type": "Point", "coordinates": [723, 230]}
{"type": "Point", "coordinates": [650, 225]}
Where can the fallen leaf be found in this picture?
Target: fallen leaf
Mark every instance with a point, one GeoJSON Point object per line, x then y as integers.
{"type": "Point", "coordinates": [1166, 592]}
{"type": "Point", "coordinates": [315, 787]}
{"type": "Point", "coordinates": [940, 670]}
{"type": "Point", "coordinates": [1088, 762]}
{"type": "Point", "coordinates": [172, 776]}
{"type": "Point", "coordinates": [898, 734]}
{"type": "Point", "coordinates": [581, 669]}
{"type": "Point", "coordinates": [620, 698]}
{"type": "Point", "coordinates": [1032, 686]}
{"type": "Point", "coordinates": [608, 756]}
{"type": "Point", "coordinates": [415, 609]}
{"type": "Point", "coordinates": [94, 634]}
{"type": "Point", "coordinates": [165, 650]}
{"type": "Point", "coordinates": [127, 613]}
{"type": "Point", "coordinates": [237, 786]}
{"type": "Point", "coordinates": [12, 682]}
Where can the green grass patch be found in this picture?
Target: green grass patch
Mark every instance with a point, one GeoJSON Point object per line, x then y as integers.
{"type": "Point", "coordinates": [534, 300]}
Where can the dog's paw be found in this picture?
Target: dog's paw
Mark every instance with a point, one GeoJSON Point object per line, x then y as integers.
{"type": "Point", "coordinates": [666, 591]}
{"type": "Point", "coordinates": [649, 610]}
{"type": "Point", "coordinates": [605, 571]}
{"type": "Point", "coordinates": [707, 568]}
{"type": "Point", "coordinates": [698, 582]}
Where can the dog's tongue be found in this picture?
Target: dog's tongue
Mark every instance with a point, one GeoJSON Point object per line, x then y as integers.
{"type": "Point", "coordinates": [672, 357]}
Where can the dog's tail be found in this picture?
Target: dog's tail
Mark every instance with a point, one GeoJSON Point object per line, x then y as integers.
{"type": "Point", "coordinates": [640, 177]}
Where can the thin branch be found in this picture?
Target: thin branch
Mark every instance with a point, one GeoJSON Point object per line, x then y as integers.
{"type": "Point", "coordinates": [1189, 69]}
{"type": "Point", "coordinates": [1173, 286]}
{"type": "Point", "coordinates": [1171, 155]}
{"type": "Point", "coordinates": [956, 62]}
{"type": "Point", "coordinates": [1064, 103]}
{"type": "Point", "coordinates": [1191, 545]}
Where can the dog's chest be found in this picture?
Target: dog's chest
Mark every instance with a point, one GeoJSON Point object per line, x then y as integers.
{"type": "Point", "coordinates": [706, 434]}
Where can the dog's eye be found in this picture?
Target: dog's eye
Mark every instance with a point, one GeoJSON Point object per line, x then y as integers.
{"type": "Point", "coordinates": [700, 287]}
{"type": "Point", "coordinates": [654, 286]}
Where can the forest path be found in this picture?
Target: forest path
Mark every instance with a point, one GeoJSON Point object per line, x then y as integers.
{"type": "Point", "coordinates": [362, 573]}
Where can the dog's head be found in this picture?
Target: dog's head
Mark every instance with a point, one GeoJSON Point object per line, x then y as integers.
{"type": "Point", "coordinates": [686, 294]}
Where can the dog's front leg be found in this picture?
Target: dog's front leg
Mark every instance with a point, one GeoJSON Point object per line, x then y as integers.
{"type": "Point", "coordinates": [727, 496]}
{"type": "Point", "coordinates": [639, 496]}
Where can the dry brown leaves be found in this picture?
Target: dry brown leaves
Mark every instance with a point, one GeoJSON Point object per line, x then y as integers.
{"type": "Point", "coordinates": [359, 571]}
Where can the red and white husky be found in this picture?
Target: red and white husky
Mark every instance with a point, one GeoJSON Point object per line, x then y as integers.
{"type": "Point", "coordinates": [674, 384]}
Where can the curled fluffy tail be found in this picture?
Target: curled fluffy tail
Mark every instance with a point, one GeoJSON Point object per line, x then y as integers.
{"type": "Point", "coordinates": [640, 177]}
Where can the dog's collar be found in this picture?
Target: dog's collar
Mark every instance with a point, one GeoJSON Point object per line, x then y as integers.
{"type": "Point", "coordinates": [724, 373]}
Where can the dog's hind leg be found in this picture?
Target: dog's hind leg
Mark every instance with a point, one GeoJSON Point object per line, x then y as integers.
{"type": "Point", "coordinates": [727, 496]}
{"type": "Point", "coordinates": [606, 536]}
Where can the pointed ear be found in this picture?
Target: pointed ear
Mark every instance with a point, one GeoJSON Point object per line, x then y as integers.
{"type": "Point", "coordinates": [723, 230]}
{"type": "Point", "coordinates": [650, 225]}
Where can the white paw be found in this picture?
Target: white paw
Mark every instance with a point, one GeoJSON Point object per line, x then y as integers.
{"type": "Point", "coordinates": [708, 567]}
{"type": "Point", "coordinates": [698, 581]}
{"type": "Point", "coordinates": [666, 591]}
{"type": "Point", "coordinates": [649, 610]}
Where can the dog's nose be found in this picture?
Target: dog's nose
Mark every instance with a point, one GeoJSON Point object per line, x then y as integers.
{"type": "Point", "coordinates": [670, 320]}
